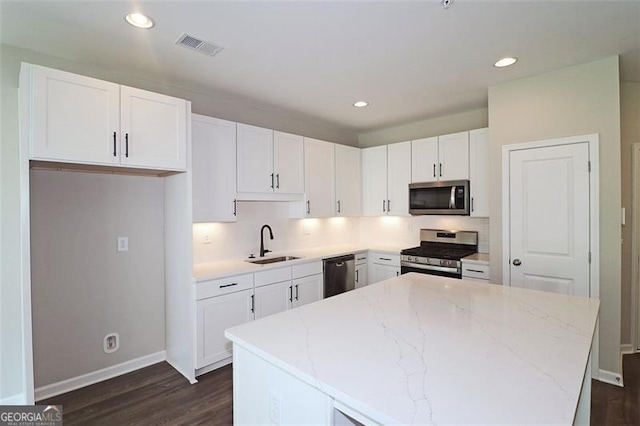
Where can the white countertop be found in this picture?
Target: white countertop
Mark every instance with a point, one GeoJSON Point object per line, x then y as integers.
{"type": "Point", "coordinates": [478, 258]}
{"type": "Point", "coordinates": [225, 268]}
{"type": "Point", "coordinates": [427, 349]}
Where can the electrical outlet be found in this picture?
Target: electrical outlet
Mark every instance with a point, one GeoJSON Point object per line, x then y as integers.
{"type": "Point", "coordinates": [275, 408]}
{"type": "Point", "coordinates": [123, 243]}
{"type": "Point", "coordinates": [111, 343]}
{"type": "Point", "coordinates": [206, 239]}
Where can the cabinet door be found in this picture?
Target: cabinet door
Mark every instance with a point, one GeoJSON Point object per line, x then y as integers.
{"type": "Point", "coordinates": [154, 130]}
{"type": "Point", "coordinates": [273, 298]}
{"type": "Point", "coordinates": [424, 160]}
{"type": "Point", "coordinates": [215, 315]}
{"type": "Point", "coordinates": [398, 178]}
{"type": "Point", "coordinates": [479, 172]}
{"type": "Point", "coordinates": [307, 290]}
{"type": "Point", "coordinates": [362, 277]}
{"type": "Point", "coordinates": [453, 151]}
{"type": "Point", "coordinates": [348, 181]}
{"type": "Point", "coordinates": [383, 272]}
{"type": "Point", "coordinates": [319, 181]}
{"type": "Point", "coordinates": [213, 165]}
{"type": "Point", "coordinates": [255, 159]}
{"type": "Point", "coordinates": [288, 163]}
{"type": "Point", "coordinates": [374, 181]}
{"type": "Point", "coordinates": [75, 118]}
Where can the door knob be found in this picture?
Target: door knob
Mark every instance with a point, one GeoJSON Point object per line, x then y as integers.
{"type": "Point", "coordinates": [516, 262]}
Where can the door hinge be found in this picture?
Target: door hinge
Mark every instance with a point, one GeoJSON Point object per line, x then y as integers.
{"type": "Point", "coordinates": [589, 166]}
{"type": "Point", "coordinates": [589, 257]}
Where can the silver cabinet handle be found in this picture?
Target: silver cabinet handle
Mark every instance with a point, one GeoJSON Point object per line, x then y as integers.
{"type": "Point", "coordinates": [440, 169]}
{"type": "Point", "coordinates": [291, 293]}
{"type": "Point", "coordinates": [308, 207]}
{"type": "Point", "coordinates": [253, 304]}
{"type": "Point", "coordinates": [475, 270]}
{"type": "Point", "coordinates": [235, 206]}
{"type": "Point", "coordinates": [278, 181]}
{"type": "Point", "coordinates": [271, 180]}
{"type": "Point", "coordinates": [357, 277]}
{"type": "Point", "coordinates": [338, 206]}
{"type": "Point", "coordinates": [388, 205]}
{"type": "Point", "coordinates": [434, 169]}
{"type": "Point", "coordinates": [471, 203]}
{"type": "Point", "coordinates": [516, 262]}
{"type": "Point", "coordinates": [384, 205]}
{"type": "Point", "coordinates": [297, 292]}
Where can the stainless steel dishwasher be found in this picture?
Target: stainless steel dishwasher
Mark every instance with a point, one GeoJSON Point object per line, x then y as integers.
{"type": "Point", "coordinates": [339, 275]}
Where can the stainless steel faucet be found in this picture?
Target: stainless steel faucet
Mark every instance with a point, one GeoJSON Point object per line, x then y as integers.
{"type": "Point", "coordinates": [262, 250]}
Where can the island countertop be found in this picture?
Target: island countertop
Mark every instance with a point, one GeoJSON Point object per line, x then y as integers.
{"type": "Point", "coordinates": [421, 349]}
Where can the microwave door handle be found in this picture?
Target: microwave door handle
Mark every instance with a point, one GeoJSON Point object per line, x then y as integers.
{"type": "Point", "coordinates": [452, 198]}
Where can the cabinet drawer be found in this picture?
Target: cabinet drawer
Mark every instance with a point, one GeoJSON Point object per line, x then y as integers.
{"type": "Point", "coordinates": [306, 269]}
{"type": "Point", "coordinates": [223, 286]}
{"type": "Point", "coordinates": [474, 270]}
{"type": "Point", "coordinates": [272, 276]}
{"type": "Point", "coordinates": [361, 258]}
{"type": "Point", "coordinates": [385, 259]}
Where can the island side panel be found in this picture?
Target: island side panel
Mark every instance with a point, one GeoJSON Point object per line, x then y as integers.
{"type": "Point", "coordinates": [264, 394]}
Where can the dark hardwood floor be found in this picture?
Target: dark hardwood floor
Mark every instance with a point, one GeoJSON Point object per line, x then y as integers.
{"type": "Point", "coordinates": [159, 395]}
{"type": "Point", "coordinates": [613, 405]}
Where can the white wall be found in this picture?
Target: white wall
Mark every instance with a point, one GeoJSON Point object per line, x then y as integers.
{"type": "Point", "coordinates": [239, 239]}
{"type": "Point", "coordinates": [579, 100]}
{"type": "Point", "coordinates": [474, 119]}
{"type": "Point", "coordinates": [405, 231]}
{"type": "Point", "coordinates": [82, 287]}
{"type": "Point", "coordinates": [630, 134]}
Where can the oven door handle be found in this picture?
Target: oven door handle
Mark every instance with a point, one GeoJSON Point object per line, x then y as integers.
{"type": "Point", "coordinates": [430, 267]}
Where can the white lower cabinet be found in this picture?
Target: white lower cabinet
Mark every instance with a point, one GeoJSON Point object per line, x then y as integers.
{"type": "Point", "coordinates": [383, 266]}
{"type": "Point", "coordinates": [227, 302]}
{"type": "Point", "coordinates": [214, 315]}
{"type": "Point", "coordinates": [271, 299]}
{"type": "Point", "coordinates": [306, 290]}
{"type": "Point", "coordinates": [362, 273]}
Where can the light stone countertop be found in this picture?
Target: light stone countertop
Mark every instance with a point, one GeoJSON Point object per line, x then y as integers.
{"type": "Point", "coordinates": [225, 268]}
{"type": "Point", "coordinates": [422, 349]}
{"type": "Point", "coordinates": [477, 258]}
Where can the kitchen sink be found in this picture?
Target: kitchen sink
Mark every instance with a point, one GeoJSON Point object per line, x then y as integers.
{"type": "Point", "coordinates": [273, 260]}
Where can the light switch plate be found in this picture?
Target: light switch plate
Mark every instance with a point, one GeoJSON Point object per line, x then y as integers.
{"type": "Point", "coordinates": [123, 243]}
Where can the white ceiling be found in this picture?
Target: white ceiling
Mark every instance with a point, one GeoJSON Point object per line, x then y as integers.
{"type": "Point", "coordinates": [410, 60]}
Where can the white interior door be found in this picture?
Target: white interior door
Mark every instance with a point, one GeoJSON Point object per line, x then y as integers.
{"type": "Point", "coordinates": [549, 218]}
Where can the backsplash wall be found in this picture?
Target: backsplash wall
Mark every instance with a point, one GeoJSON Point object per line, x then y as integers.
{"type": "Point", "coordinates": [405, 231]}
{"type": "Point", "coordinates": [239, 239]}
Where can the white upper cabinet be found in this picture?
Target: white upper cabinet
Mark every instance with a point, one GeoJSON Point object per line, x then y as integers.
{"type": "Point", "coordinates": [255, 159]}
{"type": "Point", "coordinates": [154, 128]}
{"type": "Point", "coordinates": [348, 181]}
{"type": "Point", "coordinates": [288, 162]}
{"type": "Point", "coordinates": [424, 160]}
{"type": "Point", "coordinates": [398, 178]}
{"type": "Point", "coordinates": [440, 158]}
{"type": "Point", "coordinates": [319, 178]}
{"type": "Point", "coordinates": [453, 151]}
{"type": "Point", "coordinates": [479, 172]}
{"type": "Point", "coordinates": [213, 165]}
{"type": "Point", "coordinates": [374, 181]}
{"type": "Point", "coordinates": [386, 173]}
{"type": "Point", "coordinates": [78, 119]}
{"type": "Point", "coordinates": [269, 162]}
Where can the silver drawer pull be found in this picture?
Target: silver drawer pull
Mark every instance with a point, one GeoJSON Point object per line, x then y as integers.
{"type": "Point", "coordinates": [228, 285]}
{"type": "Point", "coordinates": [362, 258]}
{"type": "Point", "coordinates": [475, 270]}
{"type": "Point", "coordinates": [384, 258]}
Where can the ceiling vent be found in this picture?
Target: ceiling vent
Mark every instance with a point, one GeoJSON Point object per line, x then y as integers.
{"type": "Point", "coordinates": [194, 43]}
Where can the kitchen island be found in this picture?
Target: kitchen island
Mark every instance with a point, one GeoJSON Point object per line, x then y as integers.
{"type": "Point", "coordinates": [418, 349]}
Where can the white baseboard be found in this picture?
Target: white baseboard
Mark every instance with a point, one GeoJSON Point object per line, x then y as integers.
{"type": "Point", "coordinates": [74, 383]}
{"type": "Point", "coordinates": [18, 399]}
{"type": "Point", "coordinates": [214, 366]}
{"type": "Point", "coordinates": [627, 349]}
{"type": "Point", "coordinates": [610, 377]}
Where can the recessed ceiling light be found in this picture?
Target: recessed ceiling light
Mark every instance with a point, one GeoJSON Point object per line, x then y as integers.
{"type": "Point", "coordinates": [505, 62]}
{"type": "Point", "coordinates": [139, 20]}
{"type": "Point", "coordinates": [361, 104]}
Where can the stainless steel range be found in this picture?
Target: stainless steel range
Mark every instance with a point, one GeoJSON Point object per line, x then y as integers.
{"type": "Point", "coordinates": [439, 252]}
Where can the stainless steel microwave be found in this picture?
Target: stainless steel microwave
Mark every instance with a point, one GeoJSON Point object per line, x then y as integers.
{"type": "Point", "coordinates": [445, 197]}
